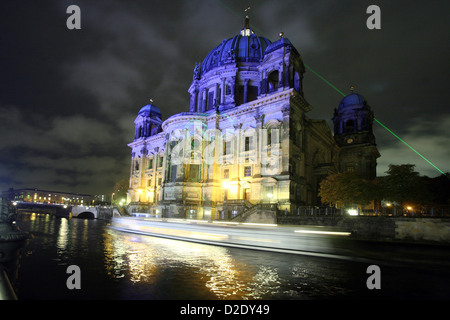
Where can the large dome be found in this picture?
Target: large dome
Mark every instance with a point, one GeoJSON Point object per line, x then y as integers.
{"type": "Point", "coordinates": [244, 47]}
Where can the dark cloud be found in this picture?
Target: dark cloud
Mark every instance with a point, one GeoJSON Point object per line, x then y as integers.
{"type": "Point", "coordinates": [68, 99]}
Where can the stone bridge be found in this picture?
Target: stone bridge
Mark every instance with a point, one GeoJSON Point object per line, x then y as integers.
{"type": "Point", "coordinates": [95, 212]}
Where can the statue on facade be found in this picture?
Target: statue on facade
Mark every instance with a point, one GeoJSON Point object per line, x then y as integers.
{"type": "Point", "coordinates": [197, 71]}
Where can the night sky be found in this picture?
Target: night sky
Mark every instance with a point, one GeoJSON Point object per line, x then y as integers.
{"type": "Point", "coordinates": [68, 98]}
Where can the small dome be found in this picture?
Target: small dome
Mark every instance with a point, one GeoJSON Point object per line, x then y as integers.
{"type": "Point", "coordinates": [353, 99]}
{"type": "Point", "coordinates": [282, 42]}
{"type": "Point", "coordinates": [150, 111]}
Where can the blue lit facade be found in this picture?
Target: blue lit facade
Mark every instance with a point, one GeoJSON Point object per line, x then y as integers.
{"type": "Point", "coordinates": [243, 69]}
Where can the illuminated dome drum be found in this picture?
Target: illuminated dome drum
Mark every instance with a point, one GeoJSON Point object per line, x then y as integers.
{"type": "Point", "coordinates": [243, 68]}
{"type": "Point", "coordinates": [237, 49]}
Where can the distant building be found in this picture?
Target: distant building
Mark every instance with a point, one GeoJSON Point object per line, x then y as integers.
{"type": "Point", "coordinates": [48, 197]}
{"type": "Point", "coordinates": [246, 142]}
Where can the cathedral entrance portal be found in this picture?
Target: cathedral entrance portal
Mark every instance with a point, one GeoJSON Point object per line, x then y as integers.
{"type": "Point", "coordinates": [247, 194]}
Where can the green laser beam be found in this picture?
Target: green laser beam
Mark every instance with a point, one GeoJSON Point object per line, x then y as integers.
{"type": "Point", "coordinates": [377, 121]}
{"type": "Point", "coordinates": [325, 80]}
{"type": "Point", "coordinates": [343, 94]}
{"type": "Point", "coordinates": [409, 146]}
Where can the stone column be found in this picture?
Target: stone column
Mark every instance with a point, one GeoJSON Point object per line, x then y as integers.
{"type": "Point", "coordinates": [246, 90]}
{"type": "Point", "coordinates": [216, 96]}
{"type": "Point", "coordinates": [204, 98]}
{"type": "Point", "coordinates": [199, 101]}
{"type": "Point", "coordinates": [223, 92]}
{"type": "Point", "coordinates": [233, 89]}
{"type": "Point", "coordinates": [280, 75]}
{"type": "Point", "coordinates": [131, 170]}
{"type": "Point", "coordinates": [194, 98]}
{"type": "Point", "coordinates": [258, 143]}
{"type": "Point", "coordinates": [166, 164]}
{"type": "Point", "coordinates": [285, 140]}
{"type": "Point", "coordinates": [237, 148]}
{"type": "Point", "coordinates": [287, 73]}
{"type": "Point", "coordinates": [263, 88]}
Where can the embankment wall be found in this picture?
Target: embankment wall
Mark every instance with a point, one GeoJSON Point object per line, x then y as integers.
{"type": "Point", "coordinates": [378, 228]}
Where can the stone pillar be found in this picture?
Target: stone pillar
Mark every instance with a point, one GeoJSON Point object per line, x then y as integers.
{"type": "Point", "coordinates": [359, 121]}
{"type": "Point", "coordinates": [233, 89]}
{"type": "Point", "coordinates": [204, 98]}
{"type": "Point", "coordinates": [131, 170]}
{"type": "Point", "coordinates": [287, 74]}
{"type": "Point", "coordinates": [165, 165]}
{"type": "Point", "coordinates": [155, 174]}
{"type": "Point", "coordinates": [246, 90]}
{"type": "Point", "coordinates": [280, 76]}
{"type": "Point", "coordinates": [223, 92]}
{"type": "Point", "coordinates": [141, 171]}
{"type": "Point", "coordinates": [263, 88]}
{"type": "Point", "coordinates": [258, 143]}
{"type": "Point", "coordinates": [285, 140]}
{"type": "Point", "coordinates": [145, 129]}
{"type": "Point", "coordinates": [199, 101]}
{"type": "Point", "coordinates": [216, 96]}
{"type": "Point", "coordinates": [194, 98]}
{"type": "Point", "coordinates": [237, 135]}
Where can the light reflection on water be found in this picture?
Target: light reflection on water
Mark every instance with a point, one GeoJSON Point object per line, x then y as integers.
{"type": "Point", "coordinates": [140, 257]}
{"type": "Point", "coordinates": [119, 265]}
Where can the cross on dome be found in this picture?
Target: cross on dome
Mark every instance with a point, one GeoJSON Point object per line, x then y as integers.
{"type": "Point", "coordinates": [247, 31]}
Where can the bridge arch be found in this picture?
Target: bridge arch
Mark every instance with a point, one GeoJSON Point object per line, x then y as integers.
{"type": "Point", "coordinates": [86, 215]}
{"type": "Point", "coordinates": [85, 212]}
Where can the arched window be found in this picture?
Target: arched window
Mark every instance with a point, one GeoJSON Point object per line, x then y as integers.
{"type": "Point", "coordinates": [210, 102]}
{"type": "Point", "coordinates": [272, 81]}
{"type": "Point", "coordinates": [297, 82]}
{"type": "Point", "coordinates": [252, 93]}
{"type": "Point", "coordinates": [349, 125]}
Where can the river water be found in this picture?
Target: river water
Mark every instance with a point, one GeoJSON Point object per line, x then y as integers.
{"type": "Point", "coordinates": [125, 266]}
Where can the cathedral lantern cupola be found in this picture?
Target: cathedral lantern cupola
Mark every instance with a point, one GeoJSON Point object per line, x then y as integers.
{"type": "Point", "coordinates": [148, 122]}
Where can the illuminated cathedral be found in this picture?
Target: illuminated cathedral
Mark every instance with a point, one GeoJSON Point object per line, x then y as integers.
{"type": "Point", "coordinates": [246, 146]}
